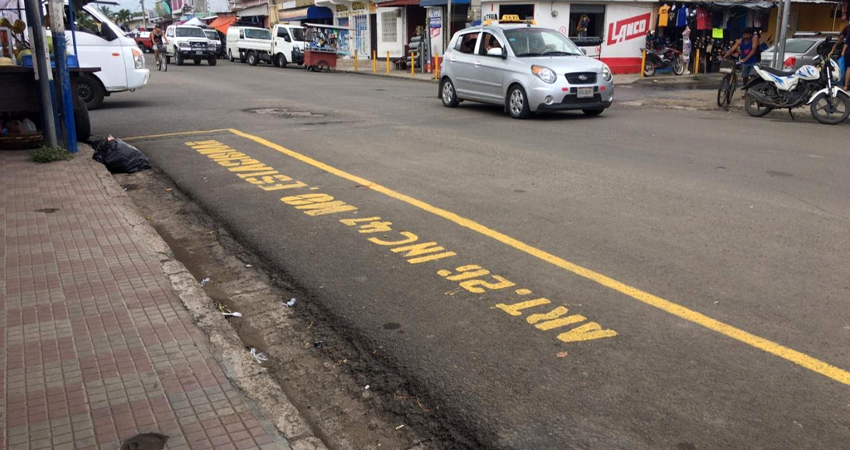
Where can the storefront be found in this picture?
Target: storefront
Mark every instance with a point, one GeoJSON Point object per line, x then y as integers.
{"type": "Point", "coordinates": [398, 21]}
{"type": "Point", "coordinates": [255, 13]}
{"type": "Point", "coordinates": [436, 13]}
{"type": "Point", "coordinates": [302, 11]}
{"type": "Point", "coordinates": [617, 29]}
{"type": "Point", "coordinates": [361, 17]}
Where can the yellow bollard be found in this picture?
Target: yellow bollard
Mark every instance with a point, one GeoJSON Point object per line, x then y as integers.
{"type": "Point", "coordinates": [374, 62]}
{"type": "Point", "coordinates": [412, 65]}
{"type": "Point", "coordinates": [696, 63]}
{"type": "Point", "coordinates": [388, 63]}
{"type": "Point", "coordinates": [437, 67]}
{"type": "Point", "coordinates": [355, 60]}
{"type": "Point", "coordinates": [642, 63]}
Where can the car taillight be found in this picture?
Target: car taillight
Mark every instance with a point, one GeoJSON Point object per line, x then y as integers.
{"type": "Point", "coordinates": [790, 62]}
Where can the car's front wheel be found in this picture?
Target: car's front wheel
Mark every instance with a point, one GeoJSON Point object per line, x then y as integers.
{"type": "Point", "coordinates": [448, 94]}
{"type": "Point", "coordinates": [518, 103]}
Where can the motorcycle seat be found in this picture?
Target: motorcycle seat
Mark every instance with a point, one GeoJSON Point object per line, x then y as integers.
{"type": "Point", "coordinates": [778, 73]}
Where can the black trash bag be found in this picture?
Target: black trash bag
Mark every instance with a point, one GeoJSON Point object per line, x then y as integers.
{"type": "Point", "coordinates": [119, 156]}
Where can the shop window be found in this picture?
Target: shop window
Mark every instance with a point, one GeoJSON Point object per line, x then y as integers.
{"type": "Point", "coordinates": [525, 12]}
{"type": "Point", "coordinates": [466, 43]}
{"type": "Point", "coordinates": [389, 28]}
{"type": "Point", "coordinates": [587, 21]}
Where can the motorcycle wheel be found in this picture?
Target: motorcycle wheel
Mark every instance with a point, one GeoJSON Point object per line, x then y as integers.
{"type": "Point", "coordinates": [752, 106]}
{"type": "Point", "coordinates": [649, 69]}
{"type": "Point", "coordinates": [831, 111]}
{"type": "Point", "coordinates": [679, 65]}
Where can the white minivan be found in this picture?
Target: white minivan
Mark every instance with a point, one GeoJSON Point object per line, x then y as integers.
{"type": "Point", "coordinates": [101, 43]}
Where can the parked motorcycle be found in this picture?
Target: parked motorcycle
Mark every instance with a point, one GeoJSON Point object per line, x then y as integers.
{"type": "Point", "coordinates": [810, 85]}
{"type": "Point", "coordinates": [661, 56]}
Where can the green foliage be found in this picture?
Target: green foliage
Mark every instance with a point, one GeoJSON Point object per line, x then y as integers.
{"type": "Point", "coordinates": [49, 154]}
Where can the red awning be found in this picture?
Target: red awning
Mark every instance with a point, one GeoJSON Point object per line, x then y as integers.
{"type": "Point", "coordinates": [222, 23]}
{"type": "Point", "coordinates": [398, 3]}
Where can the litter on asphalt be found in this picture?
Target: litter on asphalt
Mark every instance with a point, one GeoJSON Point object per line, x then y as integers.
{"type": "Point", "coordinates": [318, 344]}
{"type": "Point", "coordinates": [205, 281]}
{"type": "Point", "coordinates": [290, 303]}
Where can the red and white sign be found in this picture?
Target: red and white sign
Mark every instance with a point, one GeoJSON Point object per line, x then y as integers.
{"type": "Point", "coordinates": [628, 29]}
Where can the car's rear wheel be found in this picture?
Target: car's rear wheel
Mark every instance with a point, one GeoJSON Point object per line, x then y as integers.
{"type": "Point", "coordinates": [448, 94]}
{"type": "Point", "coordinates": [252, 58]}
{"type": "Point", "coordinates": [593, 112]}
{"type": "Point", "coordinates": [518, 103]}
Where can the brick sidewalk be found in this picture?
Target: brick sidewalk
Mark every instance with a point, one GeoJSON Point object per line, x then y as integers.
{"type": "Point", "coordinates": [96, 346]}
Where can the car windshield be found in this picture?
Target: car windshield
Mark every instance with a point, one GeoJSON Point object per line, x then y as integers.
{"type": "Point", "coordinates": [211, 34]}
{"type": "Point", "coordinates": [190, 32]}
{"type": "Point", "coordinates": [796, 46]}
{"type": "Point", "coordinates": [540, 42]}
{"type": "Point", "coordinates": [256, 33]}
{"type": "Point", "coordinates": [297, 34]}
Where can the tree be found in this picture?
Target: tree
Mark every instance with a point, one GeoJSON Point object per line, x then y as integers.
{"type": "Point", "coordinates": [123, 16]}
{"type": "Point", "coordinates": [106, 11]}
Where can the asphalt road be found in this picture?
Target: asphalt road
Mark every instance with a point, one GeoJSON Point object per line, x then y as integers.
{"type": "Point", "coordinates": [687, 274]}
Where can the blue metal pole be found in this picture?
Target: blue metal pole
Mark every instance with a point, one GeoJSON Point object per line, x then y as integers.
{"type": "Point", "coordinates": [63, 81]}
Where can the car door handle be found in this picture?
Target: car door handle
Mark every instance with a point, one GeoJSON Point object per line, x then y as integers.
{"type": "Point", "coordinates": [453, 59]}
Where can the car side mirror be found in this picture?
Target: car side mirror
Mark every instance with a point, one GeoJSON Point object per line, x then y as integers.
{"type": "Point", "coordinates": [583, 51]}
{"type": "Point", "coordinates": [495, 52]}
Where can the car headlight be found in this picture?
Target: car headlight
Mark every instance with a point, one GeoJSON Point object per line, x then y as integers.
{"type": "Point", "coordinates": [138, 59]}
{"type": "Point", "coordinates": [211, 45]}
{"type": "Point", "coordinates": [544, 73]}
{"type": "Point", "coordinates": [606, 72]}
{"type": "Point", "coordinates": [184, 45]}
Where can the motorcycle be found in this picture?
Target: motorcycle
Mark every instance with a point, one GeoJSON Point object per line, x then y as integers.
{"type": "Point", "coordinates": [812, 86]}
{"type": "Point", "coordinates": [661, 57]}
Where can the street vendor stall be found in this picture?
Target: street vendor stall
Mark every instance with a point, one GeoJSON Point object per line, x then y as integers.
{"type": "Point", "coordinates": [324, 44]}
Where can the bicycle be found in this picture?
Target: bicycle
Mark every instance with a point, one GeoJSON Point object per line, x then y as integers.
{"type": "Point", "coordinates": [161, 60]}
{"type": "Point", "coordinates": [729, 83]}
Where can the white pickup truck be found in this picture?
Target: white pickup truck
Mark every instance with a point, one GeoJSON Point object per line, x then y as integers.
{"type": "Point", "coordinates": [283, 45]}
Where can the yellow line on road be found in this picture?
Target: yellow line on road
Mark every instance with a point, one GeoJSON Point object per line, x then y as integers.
{"type": "Point", "coordinates": [179, 133]}
{"type": "Point", "coordinates": [813, 364]}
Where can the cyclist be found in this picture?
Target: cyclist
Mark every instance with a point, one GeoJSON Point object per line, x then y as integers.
{"type": "Point", "coordinates": [157, 39]}
{"type": "Point", "coordinates": [749, 45]}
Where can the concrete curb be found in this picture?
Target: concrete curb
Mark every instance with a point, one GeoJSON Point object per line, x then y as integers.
{"type": "Point", "coordinates": [384, 75]}
{"type": "Point", "coordinates": [250, 378]}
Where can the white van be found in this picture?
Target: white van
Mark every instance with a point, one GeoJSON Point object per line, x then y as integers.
{"type": "Point", "coordinates": [283, 45]}
{"type": "Point", "coordinates": [101, 43]}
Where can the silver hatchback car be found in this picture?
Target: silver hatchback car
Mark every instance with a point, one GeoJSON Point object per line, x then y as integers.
{"type": "Point", "coordinates": [526, 69]}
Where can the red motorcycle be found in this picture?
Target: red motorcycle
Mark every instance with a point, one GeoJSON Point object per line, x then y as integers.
{"type": "Point", "coordinates": [662, 57]}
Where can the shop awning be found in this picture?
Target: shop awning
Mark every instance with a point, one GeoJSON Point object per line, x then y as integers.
{"type": "Point", "coordinates": [259, 10]}
{"type": "Point", "coordinates": [730, 4]}
{"type": "Point", "coordinates": [223, 23]}
{"type": "Point", "coordinates": [425, 3]}
{"type": "Point", "coordinates": [394, 3]}
{"type": "Point", "coordinates": [311, 12]}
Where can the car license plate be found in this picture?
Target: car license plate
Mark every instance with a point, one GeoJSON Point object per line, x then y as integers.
{"type": "Point", "coordinates": [199, 52]}
{"type": "Point", "coordinates": [585, 92]}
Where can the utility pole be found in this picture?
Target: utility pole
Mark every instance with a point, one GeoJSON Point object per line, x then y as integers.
{"type": "Point", "coordinates": [780, 44]}
{"type": "Point", "coordinates": [448, 23]}
{"type": "Point", "coordinates": [144, 15]}
{"type": "Point", "coordinates": [42, 70]}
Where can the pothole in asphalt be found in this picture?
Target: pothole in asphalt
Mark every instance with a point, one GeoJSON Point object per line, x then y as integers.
{"type": "Point", "coordinates": [284, 113]}
{"type": "Point", "coordinates": [145, 441]}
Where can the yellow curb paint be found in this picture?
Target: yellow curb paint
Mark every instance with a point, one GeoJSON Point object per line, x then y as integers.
{"type": "Point", "coordinates": [799, 358]}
